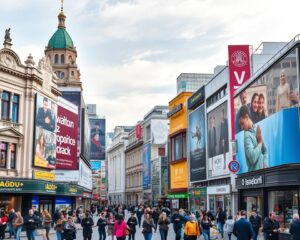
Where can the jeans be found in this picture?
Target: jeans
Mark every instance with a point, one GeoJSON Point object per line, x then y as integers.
{"type": "Point", "coordinates": [206, 234]}
{"type": "Point", "coordinates": [220, 228]}
{"type": "Point", "coordinates": [148, 236]}
{"type": "Point", "coordinates": [11, 230]}
{"type": "Point", "coordinates": [102, 234]}
{"type": "Point", "coordinates": [163, 234]}
{"type": "Point", "coordinates": [18, 232]}
{"type": "Point", "coordinates": [30, 234]}
{"type": "Point", "coordinates": [255, 234]}
{"type": "Point", "coordinates": [131, 236]}
{"type": "Point", "coordinates": [229, 236]}
{"type": "Point", "coordinates": [59, 235]}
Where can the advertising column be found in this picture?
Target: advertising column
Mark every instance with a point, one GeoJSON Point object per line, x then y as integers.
{"type": "Point", "coordinates": [147, 170]}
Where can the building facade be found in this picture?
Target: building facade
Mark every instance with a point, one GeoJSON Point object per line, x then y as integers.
{"type": "Point", "coordinates": [191, 82]}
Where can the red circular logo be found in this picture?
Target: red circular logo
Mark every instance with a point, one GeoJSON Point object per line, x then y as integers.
{"type": "Point", "coordinates": [239, 59]}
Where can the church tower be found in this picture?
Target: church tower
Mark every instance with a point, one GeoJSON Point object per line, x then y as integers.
{"type": "Point", "coordinates": [62, 54]}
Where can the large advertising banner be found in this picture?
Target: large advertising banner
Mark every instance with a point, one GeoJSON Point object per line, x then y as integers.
{"type": "Point", "coordinates": [45, 133]}
{"type": "Point", "coordinates": [67, 133]}
{"type": "Point", "coordinates": [164, 179]}
{"type": "Point", "coordinates": [179, 175]}
{"type": "Point", "coordinates": [267, 118]}
{"type": "Point", "coordinates": [97, 139]}
{"type": "Point", "coordinates": [218, 141]}
{"type": "Point", "coordinates": [239, 73]}
{"type": "Point", "coordinates": [196, 133]}
{"type": "Point", "coordinates": [159, 131]}
{"type": "Point", "coordinates": [85, 176]}
{"type": "Point", "coordinates": [146, 166]}
{"type": "Point", "coordinates": [75, 98]}
{"type": "Point", "coordinates": [85, 135]}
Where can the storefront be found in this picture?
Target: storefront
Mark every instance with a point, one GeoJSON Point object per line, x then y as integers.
{"type": "Point", "coordinates": [197, 199]}
{"type": "Point", "coordinates": [276, 191]}
{"type": "Point", "coordinates": [178, 200]}
{"type": "Point", "coordinates": [219, 197]}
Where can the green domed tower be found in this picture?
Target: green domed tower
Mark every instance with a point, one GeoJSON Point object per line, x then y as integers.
{"type": "Point", "coordinates": [62, 54]}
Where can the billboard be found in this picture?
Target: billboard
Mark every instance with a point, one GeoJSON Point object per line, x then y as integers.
{"type": "Point", "coordinates": [267, 118]}
{"type": "Point", "coordinates": [197, 143]}
{"type": "Point", "coordinates": [146, 166]}
{"type": "Point", "coordinates": [45, 133]}
{"type": "Point", "coordinates": [85, 135]}
{"type": "Point", "coordinates": [85, 176]}
{"type": "Point", "coordinates": [179, 175]}
{"type": "Point", "coordinates": [159, 131]}
{"type": "Point", "coordinates": [239, 73]}
{"type": "Point", "coordinates": [95, 165]}
{"type": "Point", "coordinates": [97, 139]}
{"type": "Point", "coordinates": [218, 141]}
{"type": "Point", "coordinates": [75, 98]}
{"type": "Point", "coordinates": [67, 135]}
{"type": "Point", "coordinates": [164, 179]}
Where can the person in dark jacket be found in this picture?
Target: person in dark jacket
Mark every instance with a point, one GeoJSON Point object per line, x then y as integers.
{"type": "Point", "coordinates": [11, 218]}
{"type": "Point", "coordinates": [102, 222]}
{"type": "Point", "coordinates": [155, 216]}
{"type": "Point", "coordinates": [178, 220]}
{"type": "Point", "coordinates": [271, 227]}
{"type": "Point", "coordinates": [206, 224]}
{"type": "Point", "coordinates": [242, 228]}
{"type": "Point", "coordinates": [131, 223]}
{"type": "Point", "coordinates": [255, 221]}
{"type": "Point", "coordinates": [139, 215]}
{"type": "Point", "coordinates": [295, 227]}
{"type": "Point", "coordinates": [31, 223]}
{"type": "Point", "coordinates": [87, 223]}
{"type": "Point", "coordinates": [221, 218]}
{"type": "Point", "coordinates": [3, 224]}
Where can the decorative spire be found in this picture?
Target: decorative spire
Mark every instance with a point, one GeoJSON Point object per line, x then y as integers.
{"type": "Point", "coordinates": [61, 16]}
{"type": "Point", "coordinates": [7, 39]}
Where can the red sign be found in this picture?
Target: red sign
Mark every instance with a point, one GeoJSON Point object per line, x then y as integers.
{"type": "Point", "coordinates": [66, 139]}
{"type": "Point", "coordinates": [138, 131]}
{"type": "Point", "coordinates": [161, 152]}
{"type": "Point", "coordinates": [234, 166]}
{"type": "Point", "coordinates": [239, 73]}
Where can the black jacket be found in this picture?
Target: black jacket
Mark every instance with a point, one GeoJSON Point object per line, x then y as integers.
{"type": "Point", "coordinates": [295, 230]}
{"type": "Point", "coordinates": [268, 228]}
{"type": "Point", "coordinates": [87, 224]}
{"type": "Point", "coordinates": [132, 222]}
{"type": "Point", "coordinates": [178, 221]}
{"type": "Point", "coordinates": [147, 227]}
{"type": "Point", "coordinates": [101, 223]}
{"type": "Point", "coordinates": [31, 222]}
{"type": "Point", "coordinates": [255, 221]}
{"type": "Point", "coordinates": [221, 217]}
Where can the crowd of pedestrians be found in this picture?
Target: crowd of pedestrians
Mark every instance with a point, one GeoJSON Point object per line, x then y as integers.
{"type": "Point", "coordinates": [112, 225]}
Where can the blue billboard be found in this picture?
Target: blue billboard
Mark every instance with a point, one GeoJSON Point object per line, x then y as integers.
{"type": "Point", "coordinates": [95, 165]}
{"type": "Point", "coordinates": [146, 166]}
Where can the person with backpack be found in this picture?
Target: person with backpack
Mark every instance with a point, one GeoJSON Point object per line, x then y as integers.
{"type": "Point", "coordinates": [191, 229]}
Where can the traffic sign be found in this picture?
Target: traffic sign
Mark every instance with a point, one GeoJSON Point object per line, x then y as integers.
{"type": "Point", "coordinates": [234, 166]}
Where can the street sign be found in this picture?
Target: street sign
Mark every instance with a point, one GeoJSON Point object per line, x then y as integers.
{"type": "Point", "coordinates": [234, 166]}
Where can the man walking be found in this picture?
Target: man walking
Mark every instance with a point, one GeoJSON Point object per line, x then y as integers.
{"type": "Point", "coordinates": [11, 219]}
{"type": "Point", "coordinates": [255, 221]}
{"type": "Point", "coordinates": [31, 223]}
{"type": "Point", "coordinates": [242, 228]}
{"type": "Point", "coordinates": [178, 220]}
{"type": "Point", "coordinates": [271, 227]}
{"type": "Point", "coordinates": [221, 218]}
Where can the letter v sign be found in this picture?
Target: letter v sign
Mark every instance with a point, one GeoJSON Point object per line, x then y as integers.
{"type": "Point", "coordinates": [239, 79]}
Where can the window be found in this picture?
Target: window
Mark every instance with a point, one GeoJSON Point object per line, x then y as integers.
{"type": "Point", "coordinates": [60, 74]}
{"type": "Point", "coordinates": [15, 109]}
{"type": "Point", "coordinates": [13, 155]}
{"type": "Point", "coordinates": [178, 146]}
{"type": "Point", "coordinates": [3, 154]}
{"type": "Point", "coordinates": [56, 59]}
{"type": "Point", "coordinates": [62, 59]}
{"type": "Point", "coordinates": [148, 132]}
{"type": "Point", "coordinates": [5, 105]}
{"type": "Point", "coordinates": [72, 73]}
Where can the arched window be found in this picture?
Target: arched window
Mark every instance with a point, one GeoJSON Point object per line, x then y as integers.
{"type": "Point", "coordinates": [62, 59]}
{"type": "Point", "coordinates": [72, 73]}
{"type": "Point", "coordinates": [56, 59]}
{"type": "Point", "coordinates": [70, 59]}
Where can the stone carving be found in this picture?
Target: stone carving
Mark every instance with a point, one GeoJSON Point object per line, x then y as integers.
{"type": "Point", "coordinates": [7, 60]}
{"type": "Point", "coordinates": [7, 37]}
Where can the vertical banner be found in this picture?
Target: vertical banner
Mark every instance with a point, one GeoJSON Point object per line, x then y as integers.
{"type": "Point", "coordinates": [97, 139]}
{"type": "Point", "coordinates": [138, 131]}
{"type": "Point", "coordinates": [146, 166]}
{"type": "Point", "coordinates": [239, 73]}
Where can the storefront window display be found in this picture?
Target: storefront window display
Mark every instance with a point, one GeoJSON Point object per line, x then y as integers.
{"type": "Point", "coordinates": [9, 202]}
{"type": "Point", "coordinates": [220, 201]}
{"type": "Point", "coordinates": [252, 203]}
{"type": "Point", "coordinates": [284, 204]}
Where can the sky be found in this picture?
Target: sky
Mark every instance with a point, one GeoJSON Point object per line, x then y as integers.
{"type": "Point", "coordinates": [130, 52]}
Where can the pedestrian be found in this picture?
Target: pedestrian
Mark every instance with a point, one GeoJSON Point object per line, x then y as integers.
{"type": "Point", "coordinates": [31, 222]}
{"type": "Point", "coordinates": [242, 228]}
{"type": "Point", "coordinates": [206, 224]}
{"type": "Point", "coordinates": [101, 223]}
{"type": "Point", "coordinates": [120, 228]}
{"type": "Point", "coordinates": [178, 220]}
{"type": "Point", "coordinates": [163, 222]}
{"type": "Point", "coordinates": [131, 223]}
{"type": "Point", "coordinates": [295, 227]}
{"type": "Point", "coordinates": [69, 229]}
{"type": "Point", "coordinates": [221, 218]}
{"type": "Point", "coordinates": [87, 223]}
{"type": "Point", "coordinates": [110, 225]}
{"type": "Point", "coordinates": [17, 225]}
{"type": "Point", "coordinates": [47, 220]}
{"type": "Point", "coordinates": [255, 220]}
{"type": "Point", "coordinates": [155, 216]}
{"type": "Point", "coordinates": [59, 226]}
{"type": "Point", "coordinates": [139, 215]}
{"type": "Point", "coordinates": [3, 224]}
{"type": "Point", "coordinates": [11, 218]}
{"type": "Point", "coordinates": [228, 227]}
{"type": "Point", "coordinates": [148, 227]}
{"type": "Point", "coordinates": [271, 227]}
{"type": "Point", "coordinates": [191, 228]}
{"type": "Point", "coordinates": [56, 215]}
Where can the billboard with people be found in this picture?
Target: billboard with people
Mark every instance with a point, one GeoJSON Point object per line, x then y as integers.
{"type": "Point", "coordinates": [267, 118]}
{"type": "Point", "coordinates": [97, 139]}
{"type": "Point", "coordinates": [45, 132]}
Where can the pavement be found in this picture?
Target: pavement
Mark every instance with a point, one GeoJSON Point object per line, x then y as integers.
{"type": "Point", "coordinates": [138, 236]}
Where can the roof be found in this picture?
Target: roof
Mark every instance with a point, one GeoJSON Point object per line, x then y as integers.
{"type": "Point", "coordinates": [60, 40]}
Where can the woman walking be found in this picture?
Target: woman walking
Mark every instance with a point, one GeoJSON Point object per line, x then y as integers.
{"type": "Point", "coordinates": [110, 225]}
{"type": "Point", "coordinates": [163, 222]}
{"type": "Point", "coordinates": [120, 228]}
{"type": "Point", "coordinates": [148, 227]}
{"type": "Point", "coordinates": [59, 227]}
{"type": "Point", "coordinates": [47, 220]}
{"type": "Point", "coordinates": [18, 223]}
{"type": "Point", "coordinates": [132, 222]}
{"type": "Point", "coordinates": [102, 222]}
{"type": "Point", "coordinates": [205, 226]}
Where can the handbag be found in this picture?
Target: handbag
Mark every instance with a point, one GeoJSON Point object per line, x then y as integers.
{"type": "Point", "coordinates": [127, 232]}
